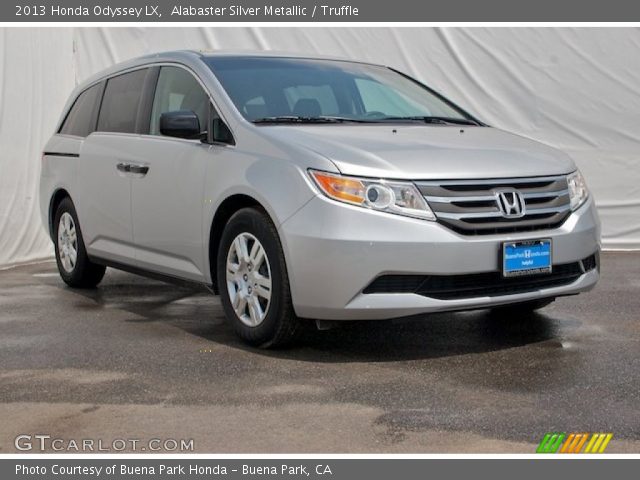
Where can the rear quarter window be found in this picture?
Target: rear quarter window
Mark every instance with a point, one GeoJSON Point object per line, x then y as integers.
{"type": "Point", "coordinates": [81, 120]}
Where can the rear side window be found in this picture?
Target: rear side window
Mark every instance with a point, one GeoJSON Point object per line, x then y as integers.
{"type": "Point", "coordinates": [119, 109]}
{"type": "Point", "coordinates": [81, 119]}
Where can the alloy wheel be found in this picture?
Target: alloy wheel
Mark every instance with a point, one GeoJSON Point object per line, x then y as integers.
{"type": "Point", "coordinates": [67, 242]}
{"type": "Point", "coordinates": [248, 277]}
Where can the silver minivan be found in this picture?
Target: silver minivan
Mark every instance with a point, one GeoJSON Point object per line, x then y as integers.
{"type": "Point", "coordinates": [309, 188]}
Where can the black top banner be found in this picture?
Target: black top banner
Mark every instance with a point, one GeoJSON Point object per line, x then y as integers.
{"type": "Point", "coordinates": [319, 11]}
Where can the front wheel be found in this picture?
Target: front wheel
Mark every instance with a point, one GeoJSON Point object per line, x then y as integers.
{"type": "Point", "coordinates": [74, 265]}
{"type": "Point", "coordinates": [253, 282]}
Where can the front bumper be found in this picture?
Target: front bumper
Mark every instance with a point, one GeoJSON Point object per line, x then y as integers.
{"type": "Point", "coordinates": [334, 251]}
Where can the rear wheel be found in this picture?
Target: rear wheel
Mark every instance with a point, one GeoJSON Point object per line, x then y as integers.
{"type": "Point", "coordinates": [523, 307]}
{"type": "Point", "coordinates": [74, 265]}
{"type": "Point", "coordinates": [253, 282]}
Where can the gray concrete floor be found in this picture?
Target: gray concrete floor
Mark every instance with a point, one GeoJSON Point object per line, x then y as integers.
{"type": "Point", "coordinates": [141, 359]}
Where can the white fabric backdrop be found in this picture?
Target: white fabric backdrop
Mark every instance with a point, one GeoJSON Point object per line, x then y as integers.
{"type": "Point", "coordinates": [576, 89]}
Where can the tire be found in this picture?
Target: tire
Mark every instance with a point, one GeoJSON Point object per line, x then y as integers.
{"type": "Point", "coordinates": [78, 272]}
{"type": "Point", "coordinates": [522, 308]}
{"type": "Point", "coordinates": [247, 281]}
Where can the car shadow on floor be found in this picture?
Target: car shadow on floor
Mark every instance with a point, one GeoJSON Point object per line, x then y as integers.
{"type": "Point", "coordinates": [418, 337]}
{"type": "Point", "coordinates": [427, 336]}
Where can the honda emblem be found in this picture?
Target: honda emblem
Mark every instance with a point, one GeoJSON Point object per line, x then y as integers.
{"type": "Point", "coordinates": [510, 203]}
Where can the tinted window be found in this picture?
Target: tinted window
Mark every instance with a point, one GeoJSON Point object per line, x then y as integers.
{"type": "Point", "coordinates": [378, 98]}
{"type": "Point", "coordinates": [321, 96]}
{"type": "Point", "coordinates": [269, 87]}
{"type": "Point", "coordinates": [119, 108]}
{"type": "Point", "coordinates": [220, 131]}
{"type": "Point", "coordinates": [178, 89]}
{"type": "Point", "coordinates": [81, 121]}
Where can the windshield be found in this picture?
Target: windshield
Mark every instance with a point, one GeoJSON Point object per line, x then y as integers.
{"type": "Point", "coordinates": [272, 89]}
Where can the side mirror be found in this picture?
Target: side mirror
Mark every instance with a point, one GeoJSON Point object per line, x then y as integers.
{"type": "Point", "coordinates": [180, 124]}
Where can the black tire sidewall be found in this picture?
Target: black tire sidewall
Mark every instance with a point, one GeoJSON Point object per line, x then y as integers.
{"type": "Point", "coordinates": [82, 262]}
{"type": "Point", "coordinates": [256, 223]}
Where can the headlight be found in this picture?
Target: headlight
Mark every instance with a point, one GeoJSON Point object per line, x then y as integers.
{"type": "Point", "coordinates": [402, 198]}
{"type": "Point", "coordinates": [578, 191]}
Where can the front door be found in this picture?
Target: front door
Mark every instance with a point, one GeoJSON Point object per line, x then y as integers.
{"type": "Point", "coordinates": [168, 194]}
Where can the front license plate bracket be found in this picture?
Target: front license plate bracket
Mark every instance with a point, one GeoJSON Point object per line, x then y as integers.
{"type": "Point", "coordinates": [529, 257]}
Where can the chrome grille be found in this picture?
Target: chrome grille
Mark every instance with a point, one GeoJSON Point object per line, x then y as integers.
{"type": "Point", "coordinates": [470, 207]}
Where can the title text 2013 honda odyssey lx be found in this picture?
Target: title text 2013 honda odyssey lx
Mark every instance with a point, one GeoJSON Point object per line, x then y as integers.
{"type": "Point", "coordinates": [307, 188]}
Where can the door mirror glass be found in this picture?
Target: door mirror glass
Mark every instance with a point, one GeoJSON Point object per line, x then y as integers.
{"type": "Point", "coordinates": [180, 124]}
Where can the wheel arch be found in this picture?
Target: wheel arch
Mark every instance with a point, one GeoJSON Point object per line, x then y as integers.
{"type": "Point", "coordinates": [224, 212]}
{"type": "Point", "coordinates": [57, 197]}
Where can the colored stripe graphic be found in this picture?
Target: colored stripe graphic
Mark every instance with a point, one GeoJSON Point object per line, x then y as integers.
{"type": "Point", "coordinates": [571, 442]}
{"type": "Point", "coordinates": [581, 443]}
{"type": "Point", "coordinates": [550, 443]}
{"type": "Point", "coordinates": [594, 437]}
{"type": "Point", "coordinates": [544, 441]}
{"type": "Point", "coordinates": [598, 443]}
{"type": "Point", "coordinates": [605, 442]}
{"type": "Point", "coordinates": [554, 442]}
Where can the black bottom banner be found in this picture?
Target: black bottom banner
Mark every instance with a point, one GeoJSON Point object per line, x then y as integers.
{"type": "Point", "coordinates": [320, 468]}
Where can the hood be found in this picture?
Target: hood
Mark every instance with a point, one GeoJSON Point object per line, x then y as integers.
{"type": "Point", "coordinates": [421, 152]}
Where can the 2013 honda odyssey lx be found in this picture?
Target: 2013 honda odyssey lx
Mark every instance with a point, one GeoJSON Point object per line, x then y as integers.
{"type": "Point", "coordinates": [310, 188]}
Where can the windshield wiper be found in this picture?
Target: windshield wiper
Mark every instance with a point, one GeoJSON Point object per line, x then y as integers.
{"type": "Point", "coordinates": [335, 119]}
{"type": "Point", "coordinates": [432, 120]}
{"type": "Point", "coordinates": [302, 119]}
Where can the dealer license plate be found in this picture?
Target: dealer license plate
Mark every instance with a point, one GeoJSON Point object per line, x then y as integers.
{"type": "Point", "coordinates": [530, 257]}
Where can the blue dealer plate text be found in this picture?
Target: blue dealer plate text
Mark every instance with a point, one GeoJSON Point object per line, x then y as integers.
{"type": "Point", "coordinates": [526, 258]}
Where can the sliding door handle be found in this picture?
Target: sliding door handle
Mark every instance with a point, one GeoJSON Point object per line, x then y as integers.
{"type": "Point", "coordinates": [132, 168]}
{"type": "Point", "coordinates": [123, 167]}
{"type": "Point", "coordinates": [139, 169]}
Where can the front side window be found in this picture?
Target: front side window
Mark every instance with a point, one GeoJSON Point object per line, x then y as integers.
{"type": "Point", "coordinates": [81, 121]}
{"type": "Point", "coordinates": [177, 89]}
{"type": "Point", "coordinates": [263, 88]}
{"type": "Point", "coordinates": [122, 97]}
